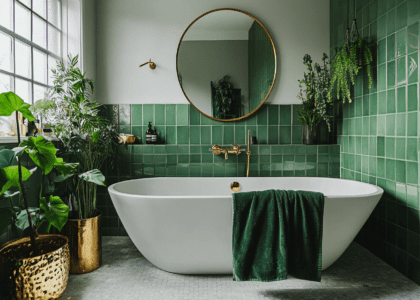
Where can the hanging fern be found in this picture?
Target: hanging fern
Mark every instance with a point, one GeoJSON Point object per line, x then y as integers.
{"type": "Point", "coordinates": [346, 66]}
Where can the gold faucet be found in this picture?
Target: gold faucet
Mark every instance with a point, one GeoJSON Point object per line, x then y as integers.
{"type": "Point", "coordinates": [234, 150]}
{"type": "Point", "coordinates": [216, 149]}
{"type": "Point", "coordinates": [248, 152]}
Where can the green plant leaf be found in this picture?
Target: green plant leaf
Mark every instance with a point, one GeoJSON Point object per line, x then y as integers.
{"type": "Point", "coordinates": [65, 168]}
{"type": "Point", "coordinates": [6, 216]}
{"type": "Point", "coordinates": [94, 176]}
{"type": "Point", "coordinates": [9, 177]}
{"type": "Point", "coordinates": [57, 212]}
{"type": "Point", "coordinates": [19, 151]}
{"type": "Point", "coordinates": [22, 218]}
{"type": "Point", "coordinates": [10, 102]}
{"type": "Point", "coordinates": [42, 152]}
{"type": "Point", "coordinates": [6, 157]}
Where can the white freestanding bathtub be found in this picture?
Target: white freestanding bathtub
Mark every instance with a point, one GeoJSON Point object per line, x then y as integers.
{"type": "Point", "coordinates": [184, 225]}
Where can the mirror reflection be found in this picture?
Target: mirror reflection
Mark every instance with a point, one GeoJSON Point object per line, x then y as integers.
{"type": "Point", "coordinates": [226, 64]}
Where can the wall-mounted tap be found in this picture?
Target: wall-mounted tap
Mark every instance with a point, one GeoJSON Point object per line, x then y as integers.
{"type": "Point", "coordinates": [216, 149]}
{"type": "Point", "coordinates": [248, 152]}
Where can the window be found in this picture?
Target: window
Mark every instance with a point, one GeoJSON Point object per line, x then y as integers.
{"type": "Point", "coordinates": [31, 42]}
{"type": "Point", "coordinates": [34, 34]}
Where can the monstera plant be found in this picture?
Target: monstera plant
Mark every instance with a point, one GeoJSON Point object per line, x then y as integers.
{"type": "Point", "coordinates": [52, 211]}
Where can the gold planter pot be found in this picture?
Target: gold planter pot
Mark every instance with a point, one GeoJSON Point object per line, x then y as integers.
{"type": "Point", "coordinates": [40, 277]}
{"type": "Point", "coordinates": [85, 242]}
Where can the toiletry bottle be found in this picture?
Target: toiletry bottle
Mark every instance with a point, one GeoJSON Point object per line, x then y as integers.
{"type": "Point", "coordinates": [154, 136]}
{"type": "Point", "coordinates": [149, 134]}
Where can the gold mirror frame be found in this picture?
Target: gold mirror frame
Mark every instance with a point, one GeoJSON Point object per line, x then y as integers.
{"type": "Point", "coordinates": [275, 64]}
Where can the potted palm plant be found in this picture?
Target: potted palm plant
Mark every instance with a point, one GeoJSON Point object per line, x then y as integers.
{"type": "Point", "coordinates": [89, 140]}
{"type": "Point", "coordinates": [313, 92]}
{"type": "Point", "coordinates": [48, 254]}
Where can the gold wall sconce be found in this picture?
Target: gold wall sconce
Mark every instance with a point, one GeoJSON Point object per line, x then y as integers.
{"type": "Point", "coordinates": [152, 65]}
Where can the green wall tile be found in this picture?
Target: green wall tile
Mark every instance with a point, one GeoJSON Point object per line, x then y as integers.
{"type": "Point", "coordinates": [136, 114]}
{"type": "Point", "coordinates": [171, 134]}
{"type": "Point", "coordinates": [273, 134]}
{"type": "Point", "coordinates": [412, 66]}
{"type": "Point", "coordinates": [390, 21]}
{"type": "Point", "coordinates": [170, 114]}
{"type": "Point", "coordinates": [412, 97]}
{"type": "Point", "coordinates": [159, 114]}
{"type": "Point", "coordinates": [273, 115]}
{"type": "Point", "coordinates": [228, 134]}
{"type": "Point", "coordinates": [412, 172]}
{"type": "Point", "coordinates": [262, 115]}
{"type": "Point", "coordinates": [285, 134]}
{"type": "Point", "coordinates": [400, 171]}
{"type": "Point", "coordinates": [381, 78]}
{"type": "Point", "coordinates": [285, 115]}
{"type": "Point", "coordinates": [297, 135]}
{"type": "Point", "coordinates": [148, 115]}
{"type": "Point", "coordinates": [195, 134]}
{"type": "Point", "coordinates": [391, 74]}
{"type": "Point", "coordinates": [217, 135]}
{"type": "Point", "coordinates": [413, 37]}
{"type": "Point", "coordinates": [390, 147]}
{"type": "Point", "coordinates": [401, 70]}
{"type": "Point", "coordinates": [401, 99]}
{"type": "Point", "coordinates": [194, 116]}
{"type": "Point", "coordinates": [382, 29]}
{"type": "Point", "coordinates": [262, 134]}
{"type": "Point", "coordinates": [400, 148]}
{"type": "Point", "coordinates": [412, 149]}
{"type": "Point", "coordinates": [412, 124]}
{"type": "Point", "coordinates": [182, 113]}
{"type": "Point", "coordinates": [390, 101]}
{"type": "Point", "coordinates": [205, 134]}
{"type": "Point", "coordinates": [401, 124]}
{"type": "Point", "coordinates": [390, 169]}
{"type": "Point", "coordinates": [390, 125]}
{"type": "Point", "coordinates": [401, 16]}
{"type": "Point", "coordinates": [391, 47]}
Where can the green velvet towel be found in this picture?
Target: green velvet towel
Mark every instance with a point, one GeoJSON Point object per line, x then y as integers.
{"type": "Point", "coordinates": [277, 233]}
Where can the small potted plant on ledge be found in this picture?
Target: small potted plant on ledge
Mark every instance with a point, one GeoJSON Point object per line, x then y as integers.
{"type": "Point", "coordinates": [89, 140]}
{"type": "Point", "coordinates": [313, 93]}
{"type": "Point", "coordinates": [34, 267]}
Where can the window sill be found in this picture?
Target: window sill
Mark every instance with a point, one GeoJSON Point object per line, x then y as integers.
{"type": "Point", "coordinates": [14, 139]}
{"type": "Point", "coordinates": [11, 139]}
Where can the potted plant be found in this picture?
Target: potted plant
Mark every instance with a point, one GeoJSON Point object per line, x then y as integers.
{"type": "Point", "coordinates": [48, 254]}
{"type": "Point", "coordinates": [223, 97]}
{"type": "Point", "coordinates": [313, 93]}
{"type": "Point", "coordinates": [89, 140]}
{"type": "Point", "coordinates": [348, 60]}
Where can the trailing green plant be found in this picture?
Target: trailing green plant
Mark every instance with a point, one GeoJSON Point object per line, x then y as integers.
{"type": "Point", "coordinates": [52, 211]}
{"type": "Point", "coordinates": [348, 61]}
{"type": "Point", "coordinates": [313, 93]}
{"type": "Point", "coordinates": [223, 97]}
{"type": "Point", "coordinates": [88, 138]}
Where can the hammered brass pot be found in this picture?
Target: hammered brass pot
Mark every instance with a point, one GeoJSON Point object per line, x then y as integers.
{"type": "Point", "coordinates": [24, 276]}
{"type": "Point", "coordinates": [85, 242]}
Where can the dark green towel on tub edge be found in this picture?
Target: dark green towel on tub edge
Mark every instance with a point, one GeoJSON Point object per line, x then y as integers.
{"type": "Point", "coordinates": [277, 233]}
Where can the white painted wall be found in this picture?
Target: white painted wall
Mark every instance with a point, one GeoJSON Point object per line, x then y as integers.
{"type": "Point", "coordinates": [130, 32]}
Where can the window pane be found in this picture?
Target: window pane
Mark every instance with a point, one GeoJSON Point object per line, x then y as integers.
{"type": "Point", "coordinates": [40, 66]}
{"type": "Point", "coordinates": [23, 59]}
{"type": "Point", "coordinates": [40, 8]}
{"type": "Point", "coordinates": [52, 64]}
{"type": "Point", "coordinates": [6, 52]}
{"type": "Point", "coordinates": [40, 32]}
{"type": "Point", "coordinates": [23, 21]}
{"type": "Point", "coordinates": [23, 90]}
{"type": "Point", "coordinates": [40, 92]}
{"type": "Point", "coordinates": [6, 83]}
{"type": "Point", "coordinates": [6, 14]}
{"type": "Point", "coordinates": [27, 2]}
{"type": "Point", "coordinates": [54, 42]}
{"type": "Point", "coordinates": [54, 12]}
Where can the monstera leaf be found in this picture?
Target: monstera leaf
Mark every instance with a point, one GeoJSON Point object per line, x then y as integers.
{"type": "Point", "coordinates": [94, 176]}
{"type": "Point", "coordinates": [9, 177]}
{"type": "Point", "coordinates": [65, 168]}
{"type": "Point", "coordinates": [56, 212]}
{"type": "Point", "coordinates": [22, 218]}
{"type": "Point", "coordinates": [10, 102]}
{"type": "Point", "coordinates": [41, 151]}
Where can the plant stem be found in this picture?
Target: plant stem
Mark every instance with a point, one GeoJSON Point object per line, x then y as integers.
{"type": "Point", "coordinates": [22, 190]}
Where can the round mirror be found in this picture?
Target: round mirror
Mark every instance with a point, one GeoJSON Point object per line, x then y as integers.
{"type": "Point", "coordinates": [226, 64]}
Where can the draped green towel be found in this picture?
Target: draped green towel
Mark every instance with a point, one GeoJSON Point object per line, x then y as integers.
{"type": "Point", "coordinates": [277, 233]}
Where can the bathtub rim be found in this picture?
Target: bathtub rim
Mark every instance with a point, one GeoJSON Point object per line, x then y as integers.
{"type": "Point", "coordinates": [379, 190]}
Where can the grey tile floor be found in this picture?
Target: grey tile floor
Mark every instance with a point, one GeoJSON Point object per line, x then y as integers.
{"type": "Point", "coordinates": [126, 274]}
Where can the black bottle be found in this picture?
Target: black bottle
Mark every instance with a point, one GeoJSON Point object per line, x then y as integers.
{"type": "Point", "coordinates": [154, 137]}
{"type": "Point", "coordinates": [149, 134]}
